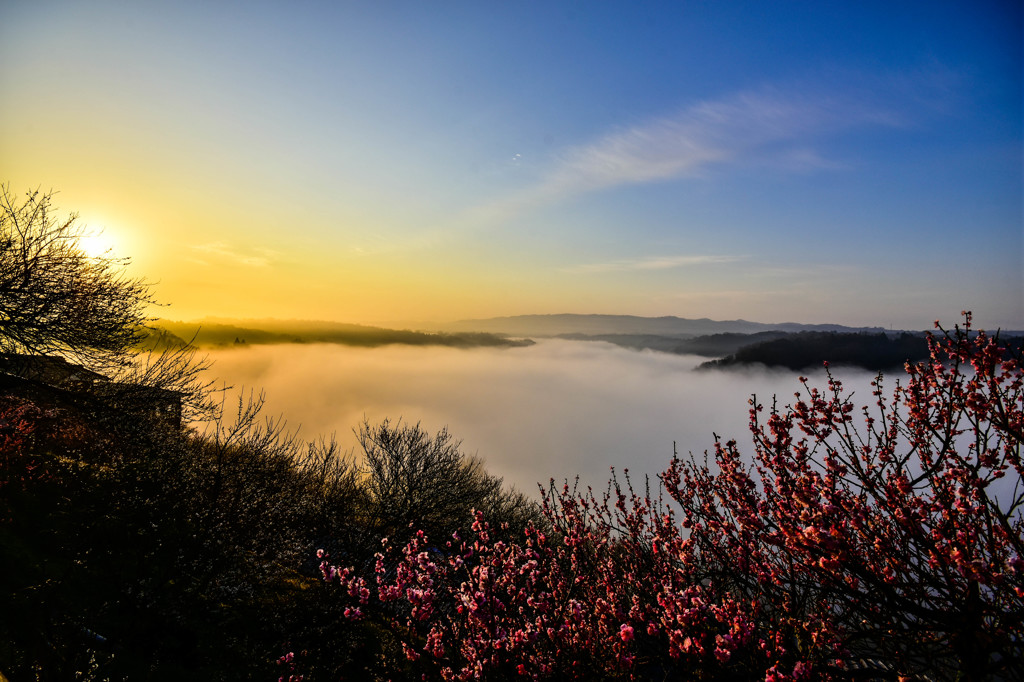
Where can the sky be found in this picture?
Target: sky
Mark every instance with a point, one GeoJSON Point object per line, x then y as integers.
{"type": "Point", "coordinates": [398, 162]}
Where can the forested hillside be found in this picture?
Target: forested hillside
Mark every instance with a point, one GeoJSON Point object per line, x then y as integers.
{"type": "Point", "coordinates": [237, 334]}
{"type": "Point", "coordinates": [810, 350]}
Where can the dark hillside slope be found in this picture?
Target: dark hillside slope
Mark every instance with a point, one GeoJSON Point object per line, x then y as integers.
{"type": "Point", "coordinates": [809, 350]}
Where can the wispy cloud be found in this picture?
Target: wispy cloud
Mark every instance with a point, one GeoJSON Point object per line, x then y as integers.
{"type": "Point", "coordinates": [745, 127]}
{"type": "Point", "coordinates": [778, 127]}
{"type": "Point", "coordinates": [651, 263]}
{"type": "Point", "coordinates": [255, 257]}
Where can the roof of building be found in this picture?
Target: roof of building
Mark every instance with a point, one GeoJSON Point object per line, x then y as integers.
{"type": "Point", "coordinates": [49, 369]}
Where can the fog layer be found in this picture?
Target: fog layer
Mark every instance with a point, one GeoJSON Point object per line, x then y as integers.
{"type": "Point", "coordinates": [554, 410]}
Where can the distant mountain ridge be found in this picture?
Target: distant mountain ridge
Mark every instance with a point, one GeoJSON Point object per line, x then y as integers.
{"type": "Point", "coordinates": [569, 323]}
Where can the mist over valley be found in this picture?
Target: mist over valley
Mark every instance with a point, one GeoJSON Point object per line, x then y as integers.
{"type": "Point", "coordinates": [542, 396]}
{"type": "Point", "coordinates": [555, 409]}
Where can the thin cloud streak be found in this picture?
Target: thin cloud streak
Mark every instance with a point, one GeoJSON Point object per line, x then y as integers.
{"type": "Point", "coordinates": [730, 130]}
{"type": "Point", "coordinates": [769, 126]}
{"type": "Point", "coordinates": [652, 263]}
{"type": "Point", "coordinates": [259, 258]}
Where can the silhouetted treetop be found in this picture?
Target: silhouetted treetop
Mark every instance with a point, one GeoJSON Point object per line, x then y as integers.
{"type": "Point", "coordinates": [55, 298]}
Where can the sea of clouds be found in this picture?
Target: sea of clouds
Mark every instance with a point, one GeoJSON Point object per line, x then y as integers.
{"type": "Point", "coordinates": [558, 409]}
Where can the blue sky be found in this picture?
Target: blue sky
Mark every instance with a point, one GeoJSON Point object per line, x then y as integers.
{"type": "Point", "coordinates": [856, 163]}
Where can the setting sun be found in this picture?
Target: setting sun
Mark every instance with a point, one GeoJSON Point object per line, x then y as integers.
{"type": "Point", "coordinates": [98, 243]}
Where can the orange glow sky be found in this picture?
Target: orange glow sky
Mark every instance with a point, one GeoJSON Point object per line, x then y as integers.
{"type": "Point", "coordinates": [363, 163]}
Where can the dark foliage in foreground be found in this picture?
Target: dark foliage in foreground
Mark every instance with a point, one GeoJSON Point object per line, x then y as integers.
{"type": "Point", "coordinates": [137, 551]}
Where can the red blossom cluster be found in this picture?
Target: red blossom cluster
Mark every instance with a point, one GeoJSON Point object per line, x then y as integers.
{"type": "Point", "coordinates": [887, 550]}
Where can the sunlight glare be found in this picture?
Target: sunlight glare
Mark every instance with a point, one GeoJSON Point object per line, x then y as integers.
{"type": "Point", "coordinates": [98, 243]}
